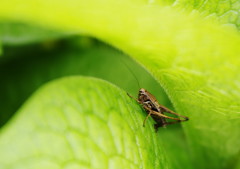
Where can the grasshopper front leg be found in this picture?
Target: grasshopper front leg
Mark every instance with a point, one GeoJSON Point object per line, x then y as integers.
{"type": "Point", "coordinates": [134, 98]}
{"type": "Point", "coordinates": [144, 121]}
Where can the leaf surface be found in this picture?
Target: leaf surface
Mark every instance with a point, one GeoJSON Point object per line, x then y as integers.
{"type": "Point", "coordinates": [67, 131]}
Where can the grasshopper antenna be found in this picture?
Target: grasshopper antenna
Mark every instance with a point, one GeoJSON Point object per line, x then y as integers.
{"type": "Point", "coordinates": [135, 77]}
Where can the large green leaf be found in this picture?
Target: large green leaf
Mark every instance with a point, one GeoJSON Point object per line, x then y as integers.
{"type": "Point", "coordinates": [194, 59]}
{"type": "Point", "coordinates": [80, 122]}
{"type": "Point", "coordinates": [12, 33]}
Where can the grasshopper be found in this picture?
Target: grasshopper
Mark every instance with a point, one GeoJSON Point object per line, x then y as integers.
{"type": "Point", "coordinates": [156, 110]}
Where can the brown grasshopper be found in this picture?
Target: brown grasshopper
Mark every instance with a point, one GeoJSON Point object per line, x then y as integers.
{"type": "Point", "coordinates": [156, 110]}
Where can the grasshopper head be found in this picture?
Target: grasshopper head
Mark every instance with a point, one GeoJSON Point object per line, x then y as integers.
{"type": "Point", "coordinates": [142, 91]}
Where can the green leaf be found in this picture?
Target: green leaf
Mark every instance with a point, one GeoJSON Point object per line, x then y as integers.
{"type": "Point", "coordinates": [13, 33]}
{"type": "Point", "coordinates": [226, 12]}
{"type": "Point", "coordinates": [195, 60]}
{"type": "Point", "coordinates": [80, 122]}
